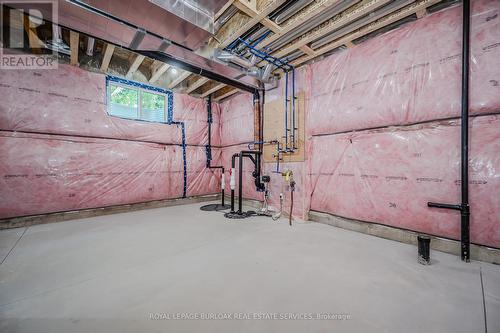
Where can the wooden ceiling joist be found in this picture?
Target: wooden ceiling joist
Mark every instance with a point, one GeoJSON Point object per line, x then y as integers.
{"type": "Point", "coordinates": [226, 94]}
{"type": "Point", "coordinates": [329, 27]}
{"type": "Point", "coordinates": [297, 20]}
{"type": "Point", "coordinates": [389, 19]}
{"type": "Point", "coordinates": [74, 40]}
{"type": "Point", "coordinates": [135, 66]}
{"type": "Point", "coordinates": [158, 68]}
{"type": "Point", "coordinates": [34, 42]}
{"type": "Point", "coordinates": [212, 90]}
{"type": "Point", "coordinates": [257, 18]}
{"type": "Point", "coordinates": [196, 84]}
{"type": "Point", "coordinates": [110, 48]}
{"type": "Point", "coordinates": [179, 79]}
{"type": "Point", "coordinates": [223, 9]}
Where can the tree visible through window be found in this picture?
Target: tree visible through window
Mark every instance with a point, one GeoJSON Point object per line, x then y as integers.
{"type": "Point", "coordinates": [152, 106]}
{"type": "Point", "coordinates": [133, 102]}
{"type": "Point", "coordinates": [123, 102]}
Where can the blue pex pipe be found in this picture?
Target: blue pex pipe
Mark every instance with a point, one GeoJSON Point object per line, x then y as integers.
{"type": "Point", "coordinates": [170, 116]}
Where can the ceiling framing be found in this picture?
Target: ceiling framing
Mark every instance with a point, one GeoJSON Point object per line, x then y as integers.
{"type": "Point", "coordinates": [250, 16]}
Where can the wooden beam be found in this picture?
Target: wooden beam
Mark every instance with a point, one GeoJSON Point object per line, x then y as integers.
{"type": "Point", "coordinates": [179, 79]}
{"type": "Point", "coordinates": [349, 44]}
{"type": "Point", "coordinates": [227, 94]}
{"type": "Point", "coordinates": [421, 13]}
{"type": "Point", "coordinates": [158, 69]}
{"type": "Point", "coordinates": [212, 90]}
{"type": "Point", "coordinates": [391, 18]}
{"type": "Point", "coordinates": [223, 9]}
{"type": "Point", "coordinates": [253, 21]}
{"type": "Point", "coordinates": [307, 50]}
{"type": "Point", "coordinates": [245, 8]}
{"type": "Point", "coordinates": [135, 66]}
{"type": "Point", "coordinates": [196, 84]}
{"type": "Point", "coordinates": [34, 42]}
{"type": "Point", "coordinates": [110, 48]}
{"type": "Point", "coordinates": [74, 41]}
{"type": "Point", "coordinates": [330, 26]}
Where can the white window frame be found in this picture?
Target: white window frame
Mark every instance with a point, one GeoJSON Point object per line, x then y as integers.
{"type": "Point", "coordinates": [139, 101]}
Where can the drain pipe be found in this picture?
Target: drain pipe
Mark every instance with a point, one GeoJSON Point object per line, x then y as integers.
{"type": "Point", "coordinates": [209, 150]}
{"type": "Point", "coordinates": [463, 207]}
{"type": "Point", "coordinates": [232, 181]}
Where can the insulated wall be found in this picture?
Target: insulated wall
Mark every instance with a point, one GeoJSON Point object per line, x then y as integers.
{"type": "Point", "coordinates": [60, 150]}
{"type": "Point", "coordinates": [382, 128]}
{"type": "Point", "coordinates": [413, 76]}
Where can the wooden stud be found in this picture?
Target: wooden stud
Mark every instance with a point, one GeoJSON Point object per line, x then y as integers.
{"type": "Point", "coordinates": [74, 41]}
{"type": "Point", "coordinates": [110, 48]}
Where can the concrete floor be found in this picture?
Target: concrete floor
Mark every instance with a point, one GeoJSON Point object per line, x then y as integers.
{"type": "Point", "coordinates": [109, 273]}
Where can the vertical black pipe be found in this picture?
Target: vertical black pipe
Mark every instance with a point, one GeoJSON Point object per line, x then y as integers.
{"type": "Point", "coordinates": [465, 211]}
{"type": "Point", "coordinates": [233, 164]}
{"type": "Point", "coordinates": [209, 121]}
{"type": "Point", "coordinates": [463, 207]}
{"type": "Point", "coordinates": [240, 185]}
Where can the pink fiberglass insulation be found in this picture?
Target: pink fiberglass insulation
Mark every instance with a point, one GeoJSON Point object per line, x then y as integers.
{"type": "Point", "coordinates": [409, 75]}
{"type": "Point", "coordinates": [48, 173]}
{"type": "Point", "coordinates": [72, 101]}
{"type": "Point", "coordinates": [101, 160]}
{"type": "Point", "coordinates": [202, 180]}
{"type": "Point", "coordinates": [389, 175]}
{"type": "Point", "coordinates": [237, 120]}
{"type": "Point", "coordinates": [193, 112]}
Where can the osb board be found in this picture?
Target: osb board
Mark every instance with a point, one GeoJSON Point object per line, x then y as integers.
{"type": "Point", "coordinates": [274, 129]}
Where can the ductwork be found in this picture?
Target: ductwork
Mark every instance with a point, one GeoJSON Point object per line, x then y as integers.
{"type": "Point", "coordinates": [162, 31]}
{"type": "Point", "coordinates": [226, 56]}
{"type": "Point", "coordinates": [199, 12]}
{"type": "Point", "coordinates": [266, 73]}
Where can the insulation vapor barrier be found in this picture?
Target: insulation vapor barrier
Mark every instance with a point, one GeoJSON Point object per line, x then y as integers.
{"type": "Point", "coordinates": [52, 105]}
{"type": "Point", "coordinates": [413, 77]}
{"type": "Point", "coordinates": [61, 151]}
{"type": "Point", "coordinates": [388, 176]}
{"type": "Point", "coordinates": [410, 89]}
{"type": "Point", "coordinates": [413, 74]}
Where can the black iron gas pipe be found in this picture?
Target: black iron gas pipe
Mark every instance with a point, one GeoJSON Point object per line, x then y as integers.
{"type": "Point", "coordinates": [463, 207]}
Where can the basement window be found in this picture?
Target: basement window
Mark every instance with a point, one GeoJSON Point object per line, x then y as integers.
{"type": "Point", "coordinates": [137, 101]}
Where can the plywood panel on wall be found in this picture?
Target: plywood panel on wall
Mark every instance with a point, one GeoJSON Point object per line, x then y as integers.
{"type": "Point", "coordinates": [274, 129]}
